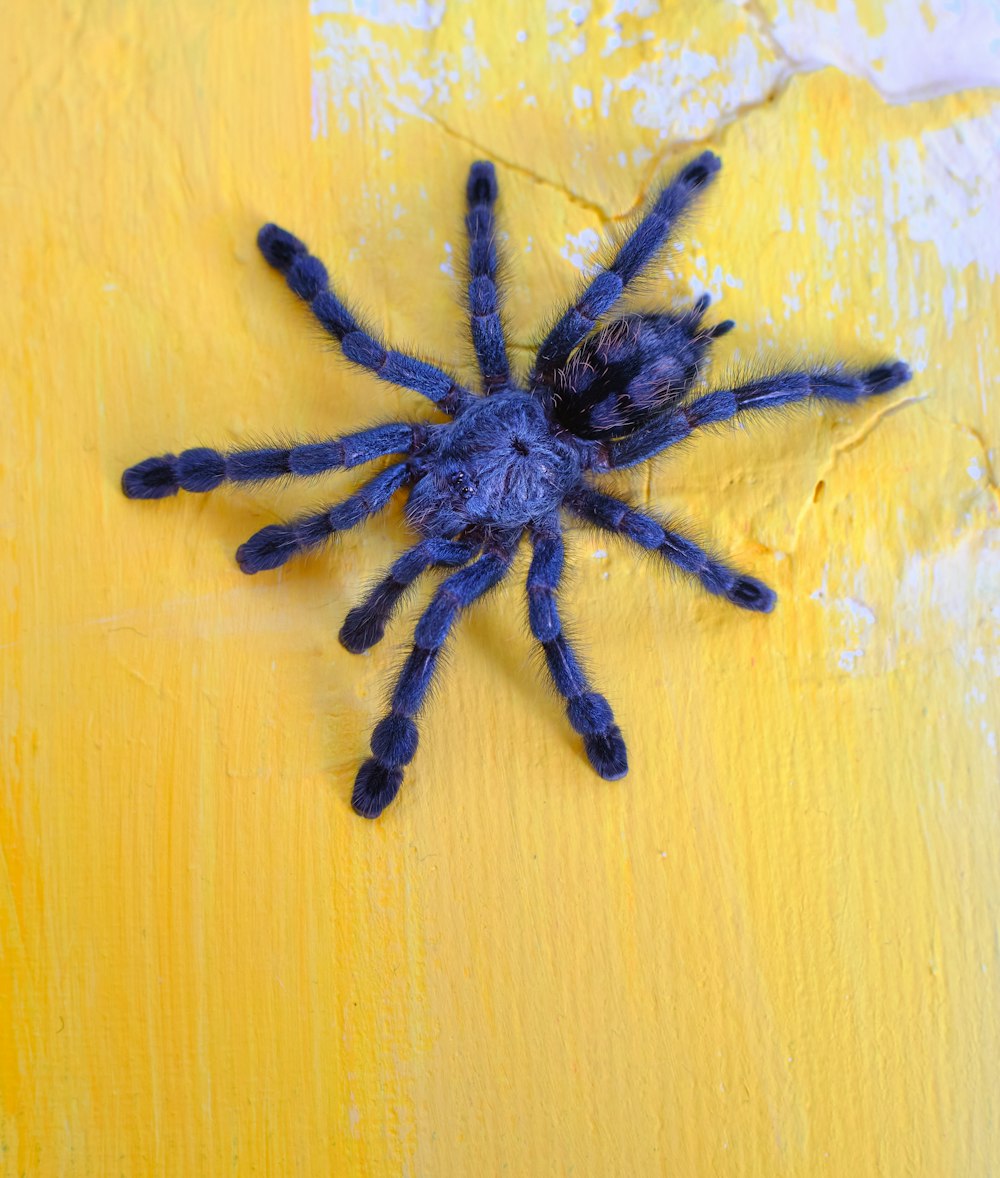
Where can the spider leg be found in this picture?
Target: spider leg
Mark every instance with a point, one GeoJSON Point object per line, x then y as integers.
{"type": "Point", "coordinates": [365, 624]}
{"type": "Point", "coordinates": [616, 516]}
{"type": "Point", "coordinates": [484, 296]}
{"type": "Point", "coordinates": [272, 546]}
{"type": "Point", "coordinates": [307, 277]}
{"type": "Point", "coordinates": [769, 392]}
{"type": "Point", "coordinates": [589, 713]}
{"type": "Point", "coordinates": [636, 252]}
{"type": "Point", "coordinates": [394, 740]}
{"type": "Point", "coordinates": [204, 470]}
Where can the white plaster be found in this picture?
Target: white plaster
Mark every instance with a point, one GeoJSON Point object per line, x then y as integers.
{"type": "Point", "coordinates": [412, 14]}
{"type": "Point", "coordinates": [683, 94]}
{"type": "Point", "coordinates": [611, 20]}
{"type": "Point", "coordinates": [942, 188]}
{"type": "Point", "coordinates": [922, 49]}
{"type": "Point", "coordinates": [580, 249]}
{"type": "Point", "coordinates": [848, 658]}
{"type": "Point", "coordinates": [565, 21]}
{"type": "Point", "coordinates": [637, 8]}
{"type": "Point", "coordinates": [960, 585]}
{"type": "Point", "coordinates": [857, 620]}
{"type": "Point", "coordinates": [358, 78]}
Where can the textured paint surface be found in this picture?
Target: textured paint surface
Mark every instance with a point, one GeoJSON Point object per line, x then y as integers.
{"type": "Point", "coordinates": [773, 949]}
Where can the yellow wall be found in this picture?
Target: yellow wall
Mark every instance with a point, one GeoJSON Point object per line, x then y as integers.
{"type": "Point", "coordinates": [773, 949]}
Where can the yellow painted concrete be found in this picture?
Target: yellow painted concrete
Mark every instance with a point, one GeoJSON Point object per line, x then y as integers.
{"type": "Point", "coordinates": [773, 949]}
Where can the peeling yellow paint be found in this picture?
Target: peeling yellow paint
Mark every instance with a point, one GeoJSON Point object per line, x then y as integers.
{"type": "Point", "coordinates": [772, 949]}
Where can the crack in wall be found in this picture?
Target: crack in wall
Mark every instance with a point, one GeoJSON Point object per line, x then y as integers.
{"type": "Point", "coordinates": [987, 450]}
{"type": "Point", "coordinates": [764, 29]}
{"type": "Point", "coordinates": [858, 438]}
{"type": "Point", "coordinates": [990, 480]}
{"type": "Point", "coordinates": [490, 153]}
{"type": "Point", "coordinates": [715, 136]}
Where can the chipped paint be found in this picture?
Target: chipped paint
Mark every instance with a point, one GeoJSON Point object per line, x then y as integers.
{"type": "Point", "coordinates": [908, 49]}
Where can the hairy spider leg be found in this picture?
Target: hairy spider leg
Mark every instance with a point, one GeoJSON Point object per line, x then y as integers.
{"type": "Point", "coordinates": [202, 469]}
{"type": "Point", "coordinates": [394, 739]}
{"type": "Point", "coordinates": [307, 277]}
{"type": "Point", "coordinates": [484, 293]}
{"type": "Point", "coordinates": [635, 253]}
{"type": "Point", "coordinates": [768, 392]}
{"type": "Point", "coordinates": [616, 516]}
{"type": "Point", "coordinates": [272, 546]}
{"type": "Point", "coordinates": [365, 624]}
{"type": "Point", "coordinates": [589, 713]}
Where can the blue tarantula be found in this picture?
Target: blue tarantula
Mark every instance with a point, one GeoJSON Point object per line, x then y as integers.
{"type": "Point", "coordinates": [601, 396]}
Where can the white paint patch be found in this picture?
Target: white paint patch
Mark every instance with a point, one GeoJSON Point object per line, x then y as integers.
{"type": "Point", "coordinates": [410, 14]}
{"type": "Point", "coordinates": [565, 21]}
{"type": "Point", "coordinates": [848, 658]}
{"type": "Point", "coordinates": [360, 81]}
{"type": "Point", "coordinates": [636, 8]}
{"type": "Point", "coordinates": [943, 189]}
{"type": "Point", "coordinates": [612, 21]}
{"type": "Point", "coordinates": [855, 619]}
{"type": "Point", "coordinates": [683, 94]}
{"type": "Point", "coordinates": [961, 588]}
{"type": "Point", "coordinates": [583, 98]}
{"type": "Point", "coordinates": [580, 249]}
{"type": "Point", "coordinates": [857, 610]}
{"type": "Point", "coordinates": [925, 48]}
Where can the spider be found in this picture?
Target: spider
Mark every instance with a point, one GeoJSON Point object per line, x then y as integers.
{"type": "Point", "coordinates": [601, 396]}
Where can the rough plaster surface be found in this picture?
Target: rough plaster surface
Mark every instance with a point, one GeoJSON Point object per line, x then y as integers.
{"type": "Point", "coordinates": [773, 949]}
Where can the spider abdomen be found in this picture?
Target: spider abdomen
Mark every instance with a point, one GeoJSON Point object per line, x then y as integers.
{"type": "Point", "coordinates": [499, 463]}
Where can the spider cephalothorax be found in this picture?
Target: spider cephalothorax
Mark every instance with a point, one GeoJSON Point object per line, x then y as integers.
{"type": "Point", "coordinates": [602, 395]}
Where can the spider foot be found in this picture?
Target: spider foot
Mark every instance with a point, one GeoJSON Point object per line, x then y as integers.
{"type": "Point", "coordinates": [591, 716]}
{"type": "Point", "coordinates": [749, 593]}
{"type": "Point", "coordinates": [155, 478]}
{"type": "Point", "coordinates": [374, 788]}
{"type": "Point", "coordinates": [269, 548]}
{"type": "Point", "coordinates": [279, 247]}
{"type": "Point", "coordinates": [701, 170]}
{"type": "Point", "coordinates": [364, 626]}
{"type": "Point", "coordinates": [606, 752]}
{"type": "Point", "coordinates": [481, 187]}
{"type": "Point", "coordinates": [360, 631]}
{"type": "Point", "coordinates": [276, 544]}
{"type": "Point", "coordinates": [887, 377]}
